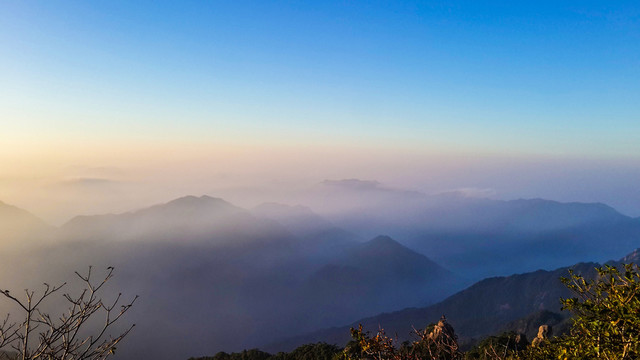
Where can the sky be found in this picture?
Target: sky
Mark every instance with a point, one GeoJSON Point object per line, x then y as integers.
{"type": "Point", "coordinates": [109, 105]}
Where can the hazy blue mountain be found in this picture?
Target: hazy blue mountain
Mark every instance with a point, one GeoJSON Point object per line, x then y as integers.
{"type": "Point", "coordinates": [243, 278]}
{"type": "Point", "coordinates": [480, 236]}
{"type": "Point", "coordinates": [501, 237]}
{"type": "Point", "coordinates": [189, 218]}
{"type": "Point", "coordinates": [375, 276]}
{"type": "Point", "coordinates": [196, 262]}
{"type": "Point", "coordinates": [384, 256]}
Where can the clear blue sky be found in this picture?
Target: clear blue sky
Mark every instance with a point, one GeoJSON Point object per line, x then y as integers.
{"type": "Point", "coordinates": [539, 79]}
{"type": "Point", "coordinates": [522, 75]}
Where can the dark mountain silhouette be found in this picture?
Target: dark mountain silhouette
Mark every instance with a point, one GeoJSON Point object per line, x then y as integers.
{"type": "Point", "coordinates": [375, 276]}
{"type": "Point", "coordinates": [387, 259]}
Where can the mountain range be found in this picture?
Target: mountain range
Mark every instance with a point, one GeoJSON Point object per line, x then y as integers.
{"type": "Point", "coordinates": [520, 302]}
{"type": "Point", "coordinates": [213, 276]}
{"type": "Point", "coordinates": [236, 275]}
{"type": "Point", "coordinates": [480, 237]}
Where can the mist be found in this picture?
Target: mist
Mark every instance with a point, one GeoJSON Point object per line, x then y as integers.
{"type": "Point", "coordinates": [214, 275]}
{"type": "Point", "coordinates": [56, 192]}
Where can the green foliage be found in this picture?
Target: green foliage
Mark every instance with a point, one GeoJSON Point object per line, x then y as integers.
{"type": "Point", "coordinates": [508, 345]}
{"type": "Point", "coordinates": [353, 350]}
{"type": "Point", "coordinates": [606, 325]}
{"type": "Point", "coordinates": [318, 351]}
{"type": "Point", "coordinates": [606, 317]}
{"type": "Point", "coordinates": [251, 354]}
{"type": "Point", "coordinates": [436, 342]}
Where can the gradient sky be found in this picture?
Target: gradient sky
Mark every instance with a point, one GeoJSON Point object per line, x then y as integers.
{"type": "Point", "coordinates": [249, 91]}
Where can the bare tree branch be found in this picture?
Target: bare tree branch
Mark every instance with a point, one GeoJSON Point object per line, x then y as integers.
{"type": "Point", "coordinates": [67, 336]}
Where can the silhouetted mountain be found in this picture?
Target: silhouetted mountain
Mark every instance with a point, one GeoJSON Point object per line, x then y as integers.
{"type": "Point", "coordinates": [480, 310]}
{"type": "Point", "coordinates": [518, 303]}
{"type": "Point", "coordinates": [384, 257]}
{"type": "Point", "coordinates": [375, 276]}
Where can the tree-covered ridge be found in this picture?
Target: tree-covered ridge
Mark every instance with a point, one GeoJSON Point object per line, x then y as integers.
{"type": "Point", "coordinates": [318, 351]}
{"type": "Point", "coordinates": [486, 308]}
{"type": "Point", "coordinates": [605, 325]}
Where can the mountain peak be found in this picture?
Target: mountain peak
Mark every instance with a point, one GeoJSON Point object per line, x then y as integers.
{"type": "Point", "coordinates": [384, 247]}
{"type": "Point", "coordinates": [633, 257]}
{"type": "Point", "coordinates": [383, 240]}
{"type": "Point", "coordinates": [194, 200]}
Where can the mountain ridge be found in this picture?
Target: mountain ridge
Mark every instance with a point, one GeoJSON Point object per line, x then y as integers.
{"type": "Point", "coordinates": [485, 308]}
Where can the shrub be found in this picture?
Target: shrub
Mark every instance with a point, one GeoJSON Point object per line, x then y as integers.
{"type": "Point", "coordinates": [606, 317]}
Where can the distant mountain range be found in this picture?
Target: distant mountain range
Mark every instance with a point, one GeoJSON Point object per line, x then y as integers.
{"type": "Point", "coordinates": [480, 237]}
{"type": "Point", "coordinates": [244, 278]}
